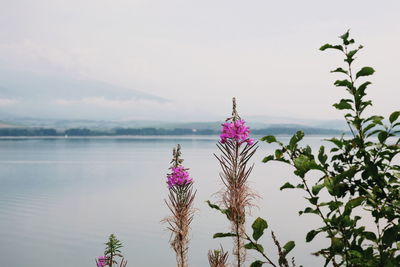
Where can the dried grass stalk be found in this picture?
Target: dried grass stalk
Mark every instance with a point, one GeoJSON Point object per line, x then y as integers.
{"type": "Point", "coordinates": [218, 258]}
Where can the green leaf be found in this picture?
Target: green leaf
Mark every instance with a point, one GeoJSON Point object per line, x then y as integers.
{"type": "Point", "coordinates": [369, 235]}
{"type": "Point", "coordinates": [302, 162]}
{"type": "Point", "coordinates": [343, 104]}
{"type": "Point", "coordinates": [329, 46]}
{"type": "Point", "coordinates": [310, 235]}
{"type": "Point", "coordinates": [213, 206]}
{"type": "Point", "coordinates": [352, 53]}
{"type": "Point", "coordinates": [337, 244]}
{"type": "Point", "coordinates": [286, 185]}
{"type": "Point", "coordinates": [363, 87]}
{"type": "Point", "coordinates": [340, 70]}
{"type": "Point", "coordinates": [269, 139]}
{"type": "Point", "coordinates": [296, 138]}
{"type": "Point", "coordinates": [289, 246]}
{"type": "Point", "coordinates": [257, 247]}
{"type": "Point", "coordinates": [343, 83]}
{"type": "Point", "coordinates": [322, 157]}
{"type": "Point", "coordinates": [257, 264]}
{"type": "Point", "coordinates": [268, 158]}
{"type": "Point", "coordinates": [309, 210]}
{"type": "Point", "coordinates": [390, 235]}
{"type": "Point", "coordinates": [219, 235]}
{"type": "Point", "coordinates": [313, 200]}
{"type": "Point", "coordinates": [355, 202]}
{"type": "Point", "coordinates": [394, 116]}
{"type": "Point", "coordinates": [382, 136]}
{"type": "Point", "coordinates": [345, 36]}
{"type": "Point", "coordinates": [369, 127]}
{"type": "Point", "coordinates": [259, 225]}
{"type": "Point", "coordinates": [316, 188]}
{"type": "Point", "coordinates": [365, 71]}
{"type": "Point", "coordinates": [223, 211]}
{"type": "Point", "coordinates": [278, 153]}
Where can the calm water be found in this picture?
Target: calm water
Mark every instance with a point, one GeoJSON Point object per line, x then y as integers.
{"type": "Point", "coordinates": [61, 198]}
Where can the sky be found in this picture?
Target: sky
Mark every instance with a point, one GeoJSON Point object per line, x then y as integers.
{"type": "Point", "coordinates": [185, 60]}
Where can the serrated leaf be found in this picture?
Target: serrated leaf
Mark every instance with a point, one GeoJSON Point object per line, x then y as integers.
{"type": "Point", "coordinates": [286, 185]}
{"type": "Point", "coordinates": [259, 225]}
{"type": "Point", "coordinates": [365, 71]}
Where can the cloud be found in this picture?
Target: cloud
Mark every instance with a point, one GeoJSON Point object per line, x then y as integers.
{"type": "Point", "coordinates": [7, 102]}
{"type": "Point", "coordinates": [103, 102]}
{"type": "Point", "coordinates": [130, 109]}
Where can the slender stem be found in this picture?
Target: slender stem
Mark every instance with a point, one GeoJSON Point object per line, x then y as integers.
{"type": "Point", "coordinates": [261, 252]}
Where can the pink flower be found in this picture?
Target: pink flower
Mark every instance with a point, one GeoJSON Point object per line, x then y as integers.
{"type": "Point", "coordinates": [178, 177]}
{"type": "Point", "coordinates": [102, 261]}
{"type": "Point", "coordinates": [236, 130]}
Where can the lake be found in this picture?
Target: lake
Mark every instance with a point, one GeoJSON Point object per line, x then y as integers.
{"type": "Point", "coordinates": [60, 199]}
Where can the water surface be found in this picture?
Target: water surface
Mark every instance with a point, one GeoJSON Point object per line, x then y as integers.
{"type": "Point", "coordinates": [61, 198]}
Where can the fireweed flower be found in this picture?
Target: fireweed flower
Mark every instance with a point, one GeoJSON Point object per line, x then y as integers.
{"type": "Point", "coordinates": [178, 177]}
{"type": "Point", "coordinates": [236, 197]}
{"type": "Point", "coordinates": [102, 261]}
{"type": "Point", "coordinates": [235, 130]}
{"type": "Point", "coordinates": [180, 203]}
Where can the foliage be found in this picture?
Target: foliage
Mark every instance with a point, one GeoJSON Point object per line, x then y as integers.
{"type": "Point", "coordinates": [259, 226]}
{"type": "Point", "coordinates": [358, 175]}
{"type": "Point", "coordinates": [111, 252]}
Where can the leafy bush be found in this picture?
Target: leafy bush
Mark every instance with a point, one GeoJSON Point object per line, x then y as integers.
{"type": "Point", "coordinates": [358, 174]}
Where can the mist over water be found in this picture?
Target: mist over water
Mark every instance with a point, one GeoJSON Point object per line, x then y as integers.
{"type": "Point", "coordinates": [61, 198]}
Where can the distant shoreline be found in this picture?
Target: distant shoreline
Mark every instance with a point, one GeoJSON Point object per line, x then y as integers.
{"type": "Point", "coordinates": [152, 132]}
{"type": "Point", "coordinates": [128, 137]}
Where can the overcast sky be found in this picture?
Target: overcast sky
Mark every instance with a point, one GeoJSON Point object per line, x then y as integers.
{"type": "Point", "coordinates": [193, 55]}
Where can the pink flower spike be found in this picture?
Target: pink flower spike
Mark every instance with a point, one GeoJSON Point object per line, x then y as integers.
{"type": "Point", "coordinates": [178, 177]}
{"type": "Point", "coordinates": [235, 130]}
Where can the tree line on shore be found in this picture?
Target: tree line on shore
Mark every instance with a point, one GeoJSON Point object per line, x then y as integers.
{"type": "Point", "coordinates": [153, 131]}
